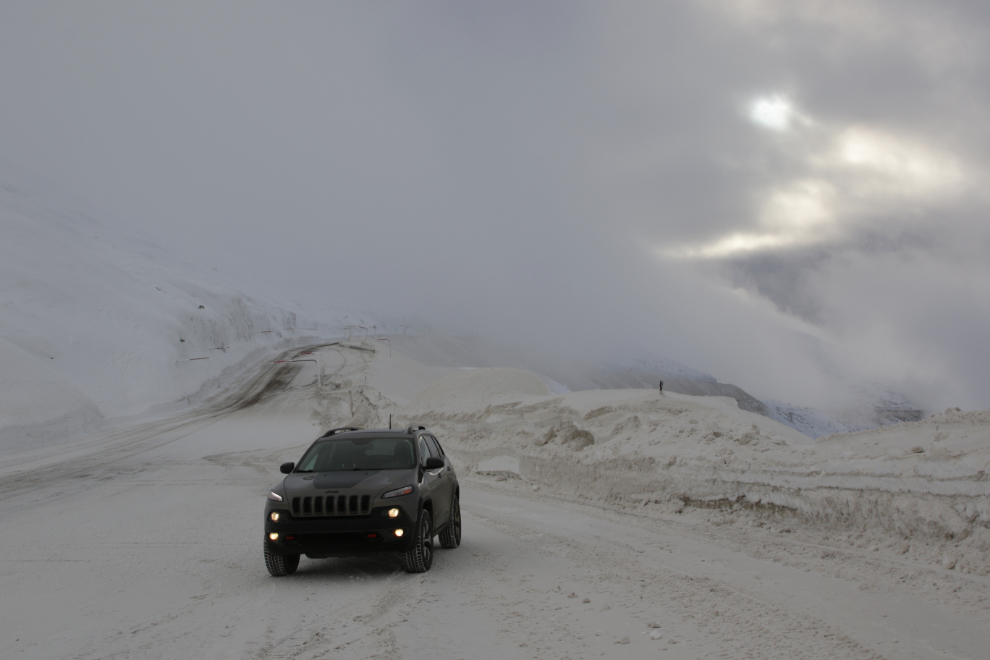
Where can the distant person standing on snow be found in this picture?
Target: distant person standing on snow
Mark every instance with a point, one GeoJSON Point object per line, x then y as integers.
{"type": "Point", "coordinates": [661, 386]}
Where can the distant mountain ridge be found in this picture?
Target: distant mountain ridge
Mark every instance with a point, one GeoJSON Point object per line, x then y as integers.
{"type": "Point", "coordinates": [663, 367]}
{"type": "Point", "coordinates": [874, 407]}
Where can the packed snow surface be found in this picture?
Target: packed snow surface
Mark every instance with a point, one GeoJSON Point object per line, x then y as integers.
{"type": "Point", "coordinates": [595, 524]}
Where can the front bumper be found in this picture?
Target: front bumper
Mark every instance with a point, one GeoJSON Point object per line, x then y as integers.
{"type": "Point", "coordinates": [341, 536]}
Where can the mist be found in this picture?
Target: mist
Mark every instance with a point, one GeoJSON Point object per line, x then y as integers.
{"type": "Point", "coordinates": [723, 183]}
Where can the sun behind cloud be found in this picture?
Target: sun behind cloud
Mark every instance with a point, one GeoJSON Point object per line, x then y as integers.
{"type": "Point", "coordinates": [775, 112]}
{"type": "Point", "coordinates": [842, 177]}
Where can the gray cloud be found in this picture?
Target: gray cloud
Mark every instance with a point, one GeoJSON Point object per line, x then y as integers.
{"type": "Point", "coordinates": [567, 174]}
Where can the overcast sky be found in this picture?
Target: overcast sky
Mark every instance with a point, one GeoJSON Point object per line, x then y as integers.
{"type": "Point", "coordinates": [740, 186]}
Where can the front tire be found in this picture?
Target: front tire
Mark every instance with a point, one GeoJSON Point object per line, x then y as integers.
{"type": "Point", "coordinates": [280, 565]}
{"type": "Point", "coordinates": [419, 557]}
{"type": "Point", "coordinates": [450, 537]}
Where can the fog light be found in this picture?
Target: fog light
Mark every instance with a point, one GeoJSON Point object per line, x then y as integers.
{"type": "Point", "coordinates": [274, 516]}
{"type": "Point", "coordinates": [398, 532]}
{"type": "Point", "coordinates": [393, 513]}
{"type": "Point", "coordinates": [273, 536]}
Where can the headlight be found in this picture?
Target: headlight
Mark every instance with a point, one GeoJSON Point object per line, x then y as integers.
{"type": "Point", "coordinates": [274, 497]}
{"type": "Point", "coordinates": [405, 490]}
{"type": "Point", "coordinates": [393, 513]}
{"type": "Point", "coordinates": [275, 516]}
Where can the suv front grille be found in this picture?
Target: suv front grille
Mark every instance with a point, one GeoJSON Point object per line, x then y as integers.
{"type": "Point", "coordinates": [339, 505]}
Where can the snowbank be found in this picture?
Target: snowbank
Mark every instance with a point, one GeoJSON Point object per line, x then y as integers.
{"type": "Point", "coordinates": [639, 447]}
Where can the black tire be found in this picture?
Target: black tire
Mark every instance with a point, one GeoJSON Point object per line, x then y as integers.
{"type": "Point", "coordinates": [280, 565]}
{"type": "Point", "coordinates": [419, 557]}
{"type": "Point", "coordinates": [450, 537]}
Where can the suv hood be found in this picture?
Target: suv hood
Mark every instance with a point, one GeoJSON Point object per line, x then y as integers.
{"type": "Point", "coordinates": [357, 482]}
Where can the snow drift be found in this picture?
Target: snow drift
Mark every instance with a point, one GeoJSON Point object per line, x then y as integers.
{"type": "Point", "coordinates": [916, 480]}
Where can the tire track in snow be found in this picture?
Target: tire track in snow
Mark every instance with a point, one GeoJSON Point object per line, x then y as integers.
{"type": "Point", "coordinates": [739, 625]}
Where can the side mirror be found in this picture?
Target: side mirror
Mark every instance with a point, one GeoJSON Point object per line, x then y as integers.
{"type": "Point", "coordinates": [286, 468]}
{"type": "Point", "coordinates": [433, 463]}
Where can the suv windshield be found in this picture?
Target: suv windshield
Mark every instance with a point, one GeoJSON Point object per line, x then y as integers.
{"type": "Point", "coordinates": [339, 454]}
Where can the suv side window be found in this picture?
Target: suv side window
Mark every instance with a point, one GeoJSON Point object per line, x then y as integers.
{"type": "Point", "coordinates": [424, 452]}
{"type": "Point", "coordinates": [431, 442]}
{"type": "Point", "coordinates": [442, 452]}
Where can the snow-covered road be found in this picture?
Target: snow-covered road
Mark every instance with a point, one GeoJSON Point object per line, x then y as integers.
{"type": "Point", "coordinates": [145, 542]}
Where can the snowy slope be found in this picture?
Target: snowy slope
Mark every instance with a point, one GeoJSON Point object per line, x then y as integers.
{"type": "Point", "coordinates": [577, 374]}
{"type": "Point", "coordinates": [861, 407]}
{"type": "Point", "coordinates": [923, 481]}
{"type": "Point", "coordinates": [813, 423]}
{"type": "Point", "coordinates": [847, 401]}
{"type": "Point", "coordinates": [853, 406]}
{"type": "Point", "coordinates": [95, 324]}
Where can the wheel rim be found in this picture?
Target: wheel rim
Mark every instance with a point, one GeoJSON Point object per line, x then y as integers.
{"type": "Point", "coordinates": [426, 541]}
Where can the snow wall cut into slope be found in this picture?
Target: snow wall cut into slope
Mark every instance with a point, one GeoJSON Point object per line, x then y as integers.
{"type": "Point", "coordinates": [924, 479]}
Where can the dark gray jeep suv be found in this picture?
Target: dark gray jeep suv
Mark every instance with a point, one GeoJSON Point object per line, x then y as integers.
{"type": "Point", "coordinates": [357, 492]}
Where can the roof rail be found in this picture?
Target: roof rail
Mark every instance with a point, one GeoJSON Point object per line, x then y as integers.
{"type": "Point", "coordinates": [335, 431]}
{"type": "Point", "coordinates": [414, 427]}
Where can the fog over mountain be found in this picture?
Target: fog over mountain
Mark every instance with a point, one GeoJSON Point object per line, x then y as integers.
{"type": "Point", "coordinates": [785, 195]}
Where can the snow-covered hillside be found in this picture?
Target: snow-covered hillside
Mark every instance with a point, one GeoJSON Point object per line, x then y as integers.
{"type": "Point", "coordinates": [96, 324]}
{"type": "Point", "coordinates": [813, 423]}
{"type": "Point", "coordinates": [861, 407]}
{"type": "Point", "coordinates": [578, 374]}
{"type": "Point", "coordinates": [846, 401]}
{"type": "Point", "coordinates": [924, 482]}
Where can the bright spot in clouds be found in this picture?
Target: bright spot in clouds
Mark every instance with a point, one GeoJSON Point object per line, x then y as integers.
{"type": "Point", "coordinates": [773, 112]}
{"type": "Point", "coordinates": [898, 166]}
{"type": "Point", "coordinates": [800, 214]}
{"type": "Point", "coordinates": [851, 175]}
{"type": "Point", "coordinates": [730, 245]}
{"type": "Point", "coordinates": [803, 207]}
